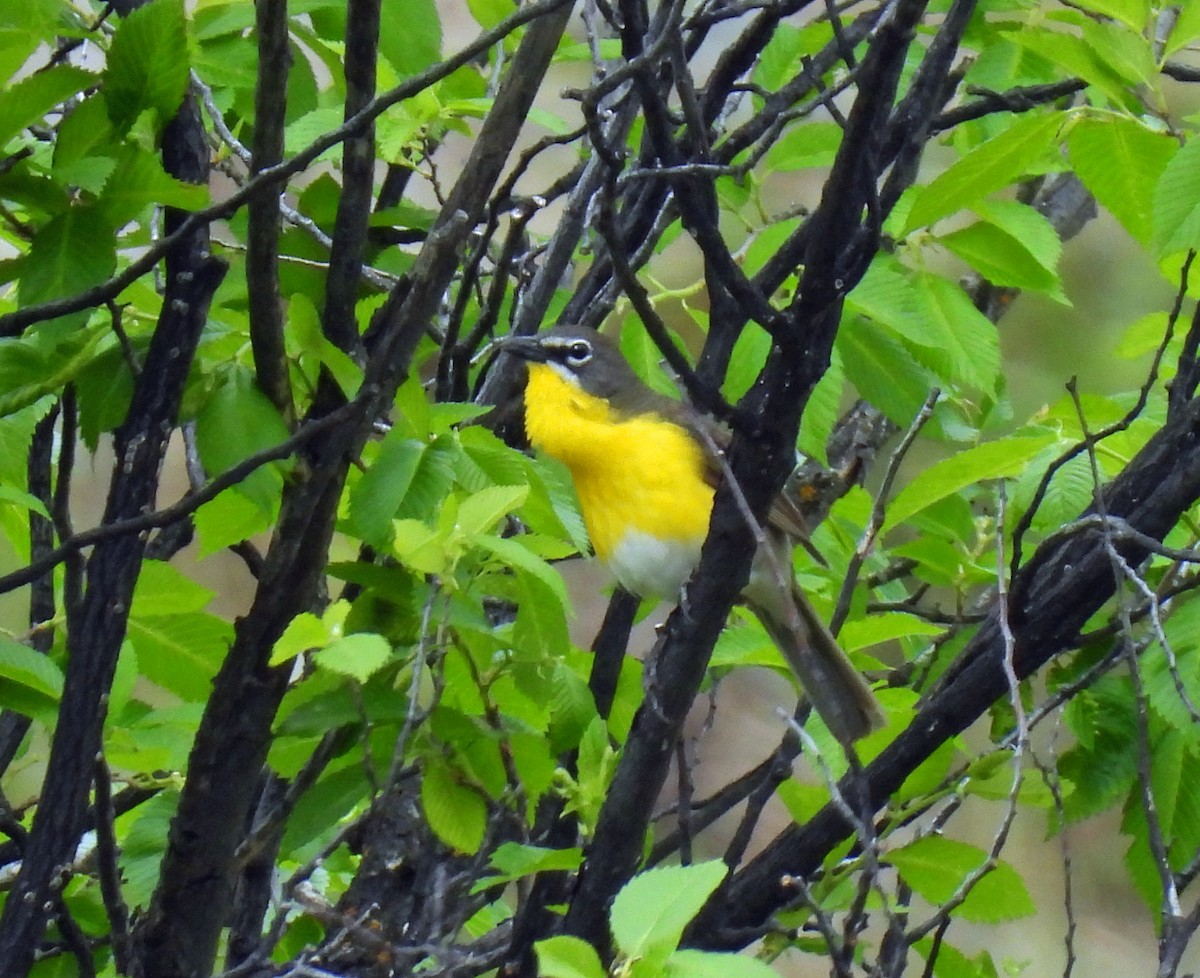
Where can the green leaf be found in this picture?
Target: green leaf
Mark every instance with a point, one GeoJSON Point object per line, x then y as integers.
{"type": "Point", "coordinates": [419, 547]}
{"type": "Point", "coordinates": [1185, 30]}
{"type": "Point", "coordinates": [514, 861]}
{"type": "Point", "coordinates": [72, 252]}
{"type": "Point", "coordinates": [572, 707]}
{"type": "Point", "coordinates": [802, 800]}
{"type": "Point", "coordinates": [985, 169]}
{"type": "Point", "coordinates": [712, 964]}
{"type": "Point", "coordinates": [514, 553]}
{"type": "Point", "coordinates": [139, 181]}
{"type": "Point", "coordinates": [652, 909]}
{"type": "Point", "coordinates": [30, 99]}
{"type": "Point", "coordinates": [1120, 162]}
{"type": "Point", "coordinates": [24, 26]}
{"type": "Point", "coordinates": [227, 520]}
{"type": "Point", "coordinates": [181, 653]}
{"type": "Point", "coordinates": [305, 631]}
{"type": "Point", "coordinates": [780, 57]}
{"type": "Point", "coordinates": [482, 510]}
{"type": "Point", "coordinates": [236, 422]}
{"type": "Point", "coordinates": [992, 460]}
{"type": "Point", "coordinates": [1077, 57]}
{"type": "Point", "coordinates": [456, 813]}
{"type": "Point", "coordinates": [16, 430]}
{"type": "Point", "coordinates": [340, 790]}
{"type": "Point", "coordinates": [143, 845]}
{"type": "Point", "coordinates": [966, 347]}
{"type": "Point", "coordinates": [304, 330]}
{"type": "Point", "coordinates": [1002, 259]}
{"type": "Point", "coordinates": [488, 13]}
{"type": "Point", "coordinates": [104, 389]}
{"type": "Point", "coordinates": [1102, 767]}
{"type": "Point", "coordinates": [432, 481]}
{"type": "Point", "coordinates": [822, 411]}
{"type": "Point", "coordinates": [31, 682]}
{"type": "Point", "coordinates": [125, 679]}
{"type": "Point", "coordinates": [563, 956]}
{"type": "Point", "coordinates": [309, 127]}
{"type": "Point", "coordinates": [155, 741]}
{"type": "Point", "coordinates": [883, 370]}
{"type": "Point", "coordinates": [1120, 51]}
{"type": "Point", "coordinates": [812, 144]}
{"type": "Point", "coordinates": [147, 64]}
{"type": "Point", "coordinates": [540, 629]}
{"type": "Point", "coordinates": [935, 867]}
{"type": "Point", "coordinates": [410, 34]}
{"type": "Point", "coordinates": [1069, 494]}
{"type": "Point", "coordinates": [85, 138]}
{"type": "Point", "coordinates": [1177, 202]}
{"type": "Point", "coordinates": [1140, 863]}
{"type": "Point", "coordinates": [950, 962]}
{"type": "Point", "coordinates": [862, 633]}
{"type": "Point", "coordinates": [759, 251]}
{"type": "Point", "coordinates": [887, 295]}
{"type": "Point", "coordinates": [163, 590]}
{"type": "Point", "coordinates": [749, 354]}
{"type": "Point", "coordinates": [12, 496]}
{"type": "Point", "coordinates": [929, 778]}
{"type": "Point", "coordinates": [1132, 13]}
{"type": "Point", "coordinates": [647, 360]}
{"type": "Point", "coordinates": [358, 656]}
{"type": "Point", "coordinates": [41, 363]}
{"type": "Point", "coordinates": [1182, 630]}
{"type": "Point", "coordinates": [376, 498]}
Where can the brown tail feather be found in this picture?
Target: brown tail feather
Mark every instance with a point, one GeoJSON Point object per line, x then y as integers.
{"type": "Point", "coordinates": [838, 691]}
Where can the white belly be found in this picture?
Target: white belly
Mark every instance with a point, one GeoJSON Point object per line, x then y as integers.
{"type": "Point", "coordinates": [651, 567]}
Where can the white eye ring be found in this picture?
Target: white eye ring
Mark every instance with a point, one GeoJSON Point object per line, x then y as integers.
{"type": "Point", "coordinates": [579, 353]}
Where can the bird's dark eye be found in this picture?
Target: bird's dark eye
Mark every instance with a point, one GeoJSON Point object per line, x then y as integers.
{"type": "Point", "coordinates": [579, 352]}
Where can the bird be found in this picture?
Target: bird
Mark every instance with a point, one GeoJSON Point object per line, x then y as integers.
{"type": "Point", "coordinates": [645, 469]}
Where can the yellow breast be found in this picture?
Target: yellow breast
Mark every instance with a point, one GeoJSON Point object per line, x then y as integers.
{"type": "Point", "coordinates": [641, 475]}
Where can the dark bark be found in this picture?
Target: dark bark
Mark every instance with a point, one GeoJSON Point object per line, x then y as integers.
{"type": "Point", "coordinates": [262, 210]}
{"type": "Point", "coordinates": [358, 177]}
{"type": "Point", "coordinates": [112, 570]}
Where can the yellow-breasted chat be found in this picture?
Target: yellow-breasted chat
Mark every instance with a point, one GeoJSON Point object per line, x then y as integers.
{"type": "Point", "coordinates": [645, 472]}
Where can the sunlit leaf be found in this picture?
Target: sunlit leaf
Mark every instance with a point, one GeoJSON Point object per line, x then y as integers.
{"type": "Point", "coordinates": [358, 656]}
{"type": "Point", "coordinates": [456, 813]}
{"type": "Point", "coordinates": [74, 251]}
{"type": "Point", "coordinates": [936, 867]}
{"type": "Point", "coordinates": [31, 98]}
{"type": "Point", "coordinates": [564, 956]}
{"type": "Point", "coordinates": [1177, 202]}
{"type": "Point", "coordinates": [1120, 160]}
{"type": "Point", "coordinates": [147, 63]}
{"type": "Point", "coordinates": [993, 460]}
{"type": "Point", "coordinates": [985, 169]}
{"type": "Point", "coordinates": [655, 906]}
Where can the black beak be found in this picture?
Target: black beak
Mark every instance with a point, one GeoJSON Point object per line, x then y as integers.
{"type": "Point", "coordinates": [525, 347]}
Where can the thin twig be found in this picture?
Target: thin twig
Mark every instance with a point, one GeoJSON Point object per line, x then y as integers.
{"type": "Point", "coordinates": [1026, 520]}
{"type": "Point", "coordinates": [11, 324]}
{"type": "Point", "coordinates": [185, 506]}
{"type": "Point", "coordinates": [866, 542]}
{"type": "Point", "coordinates": [107, 869]}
